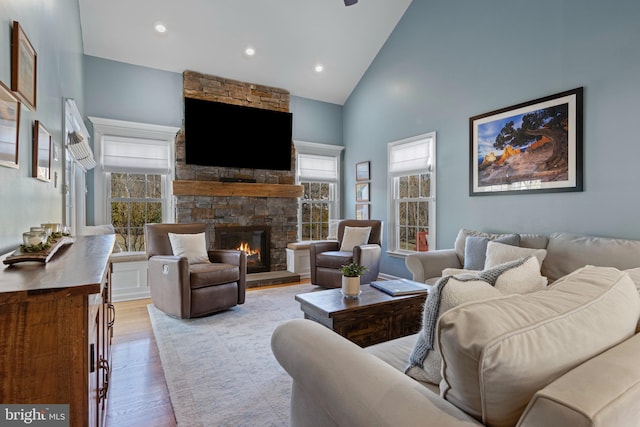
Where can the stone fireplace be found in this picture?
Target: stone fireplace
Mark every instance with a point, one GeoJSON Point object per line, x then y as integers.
{"type": "Point", "coordinates": [254, 240]}
{"type": "Point", "coordinates": [219, 197]}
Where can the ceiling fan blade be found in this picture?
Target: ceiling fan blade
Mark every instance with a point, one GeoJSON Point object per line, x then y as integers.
{"type": "Point", "coordinates": [350, 2]}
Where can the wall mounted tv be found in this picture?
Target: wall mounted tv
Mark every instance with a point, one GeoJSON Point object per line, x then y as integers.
{"type": "Point", "coordinates": [234, 136]}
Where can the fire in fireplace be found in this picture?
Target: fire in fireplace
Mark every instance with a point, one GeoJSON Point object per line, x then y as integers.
{"type": "Point", "coordinates": [254, 240]}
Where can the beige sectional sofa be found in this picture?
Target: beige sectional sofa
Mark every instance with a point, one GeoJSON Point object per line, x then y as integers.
{"type": "Point", "coordinates": [566, 355]}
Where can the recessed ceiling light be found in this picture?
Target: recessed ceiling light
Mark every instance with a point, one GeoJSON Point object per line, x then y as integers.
{"type": "Point", "coordinates": [319, 68]}
{"type": "Point", "coordinates": [160, 27]}
{"type": "Point", "coordinates": [249, 51]}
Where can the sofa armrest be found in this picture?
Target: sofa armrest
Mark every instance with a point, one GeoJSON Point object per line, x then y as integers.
{"type": "Point", "coordinates": [426, 265]}
{"type": "Point", "coordinates": [168, 280]}
{"type": "Point", "coordinates": [369, 257]}
{"type": "Point", "coordinates": [603, 391]}
{"type": "Point", "coordinates": [233, 257]}
{"type": "Point", "coordinates": [338, 383]}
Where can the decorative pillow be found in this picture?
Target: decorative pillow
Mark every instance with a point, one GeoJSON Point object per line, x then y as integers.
{"type": "Point", "coordinates": [475, 249]}
{"type": "Point", "coordinates": [499, 253]}
{"type": "Point", "coordinates": [461, 239]}
{"type": "Point", "coordinates": [354, 236]}
{"type": "Point", "coordinates": [454, 291]}
{"type": "Point", "coordinates": [191, 246]}
{"type": "Point", "coordinates": [497, 353]}
{"type": "Point", "coordinates": [457, 271]}
{"type": "Point", "coordinates": [520, 276]}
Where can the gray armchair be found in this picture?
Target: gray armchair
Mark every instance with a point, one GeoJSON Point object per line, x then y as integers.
{"type": "Point", "coordinates": [326, 258]}
{"type": "Point", "coordinates": [186, 290]}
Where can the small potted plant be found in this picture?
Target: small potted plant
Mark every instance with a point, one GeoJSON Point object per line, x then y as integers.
{"type": "Point", "coordinates": [351, 279]}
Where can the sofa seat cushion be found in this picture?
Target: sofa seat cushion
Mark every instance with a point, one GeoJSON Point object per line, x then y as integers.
{"type": "Point", "coordinates": [497, 353]}
{"type": "Point", "coordinates": [333, 259]}
{"type": "Point", "coordinates": [216, 273]}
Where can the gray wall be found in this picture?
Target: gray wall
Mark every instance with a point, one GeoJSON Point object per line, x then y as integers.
{"type": "Point", "coordinates": [448, 61]}
{"type": "Point", "coordinates": [54, 31]}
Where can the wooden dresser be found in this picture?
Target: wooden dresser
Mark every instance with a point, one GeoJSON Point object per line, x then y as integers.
{"type": "Point", "coordinates": [56, 323]}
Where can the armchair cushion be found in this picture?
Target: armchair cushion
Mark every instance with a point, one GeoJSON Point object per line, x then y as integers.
{"type": "Point", "coordinates": [333, 259]}
{"type": "Point", "coordinates": [191, 246]}
{"type": "Point", "coordinates": [209, 274]}
{"type": "Point", "coordinates": [354, 236]}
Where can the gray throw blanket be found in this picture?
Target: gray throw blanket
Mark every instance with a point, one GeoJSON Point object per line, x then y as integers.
{"type": "Point", "coordinates": [424, 344]}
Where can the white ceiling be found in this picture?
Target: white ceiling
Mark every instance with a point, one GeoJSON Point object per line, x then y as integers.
{"type": "Point", "coordinates": [290, 38]}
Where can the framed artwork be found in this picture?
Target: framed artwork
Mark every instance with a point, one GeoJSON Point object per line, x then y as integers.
{"type": "Point", "coordinates": [532, 147]}
{"type": "Point", "coordinates": [362, 210]}
{"type": "Point", "coordinates": [362, 192]}
{"type": "Point", "coordinates": [41, 152]}
{"type": "Point", "coordinates": [362, 171]}
{"type": "Point", "coordinates": [9, 127]}
{"type": "Point", "coordinates": [23, 67]}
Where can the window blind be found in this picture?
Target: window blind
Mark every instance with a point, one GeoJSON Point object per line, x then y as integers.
{"type": "Point", "coordinates": [410, 156]}
{"type": "Point", "coordinates": [317, 168]}
{"type": "Point", "coordinates": [135, 155]}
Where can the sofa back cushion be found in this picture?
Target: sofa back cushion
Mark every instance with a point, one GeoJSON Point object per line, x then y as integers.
{"type": "Point", "coordinates": [497, 353]}
{"type": "Point", "coordinates": [566, 252]}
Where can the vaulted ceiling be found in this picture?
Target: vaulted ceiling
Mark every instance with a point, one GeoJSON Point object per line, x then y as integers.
{"type": "Point", "coordinates": [290, 39]}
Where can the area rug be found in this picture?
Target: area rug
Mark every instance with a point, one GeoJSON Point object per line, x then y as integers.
{"type": "Point", "coordinates": [220, 370]}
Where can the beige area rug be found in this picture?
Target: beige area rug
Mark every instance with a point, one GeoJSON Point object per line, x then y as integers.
{"type": "Point", "coordinates": [220, 370]}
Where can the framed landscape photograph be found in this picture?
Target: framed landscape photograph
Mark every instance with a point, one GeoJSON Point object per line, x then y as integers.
{"type": "Point", "coordinates": [9, 127]}
{"type": "Point", "coordinates": [531, 147]}
{"type": "Point", "coordinates": [41, 152]}
{"type": "Point", "coordinates": [362, 171]}
{"type": "Point", "coordinates": [362, 210]}
{"type": "Point", "coordinates": [23, 67]}
{"type": "Point", "coordinates": [362, 192]}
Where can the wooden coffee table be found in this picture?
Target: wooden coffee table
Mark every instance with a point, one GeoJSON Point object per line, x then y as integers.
{"type": "Point", "coordinates": [373, 318]}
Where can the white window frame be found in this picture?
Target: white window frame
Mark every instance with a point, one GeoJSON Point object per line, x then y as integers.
{"type": "Point", "coordinates": [410, 169]}
{"type": "Point", "coordinates": [325, 150]}
{"type": "Point", "coordinates": [117, 128]}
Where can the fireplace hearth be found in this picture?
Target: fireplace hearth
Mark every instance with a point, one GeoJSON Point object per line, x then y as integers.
{"type": "Point", "coordinates": [253, 239]}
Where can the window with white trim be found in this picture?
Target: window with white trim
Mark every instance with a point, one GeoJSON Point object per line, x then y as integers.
{"type": "Point", "coordinates": [412, 210]}
{"type": "Point", "coordinates": [133, 179]}
{"type": "Point", "coordinates": [318, 171]}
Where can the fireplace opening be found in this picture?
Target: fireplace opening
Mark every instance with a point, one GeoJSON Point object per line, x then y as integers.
{"type": "Point", "coordinates": [254, 240]}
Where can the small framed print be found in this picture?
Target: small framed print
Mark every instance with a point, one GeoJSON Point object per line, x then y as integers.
{"type": "Point", "coordinates": [362, 210]}
{"type": "Point", "coordinates": [362, 192]}
{"type": "Point", "coordinates": [23, 67]}
{"type": "Point", "coordinates": [362, 171]}
{"type": "Point", "coordinates": [41, 152]}
{"type": "Point", "coordinates": [9, 127]}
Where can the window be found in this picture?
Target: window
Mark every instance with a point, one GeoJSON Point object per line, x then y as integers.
{"type": "Point", "coordinates": [318, 171]}
{"type": "Point", "coordinates": [411, 166]}
{"type": "Point", "coordinates": [133, 181]}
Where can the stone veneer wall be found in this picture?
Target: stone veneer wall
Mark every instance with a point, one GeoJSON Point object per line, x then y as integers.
{"type": "Point", "coordinates": [280, 213]}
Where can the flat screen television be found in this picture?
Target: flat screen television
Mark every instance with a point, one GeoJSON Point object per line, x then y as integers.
{"type": "Point", "coordinates": [235, 136]}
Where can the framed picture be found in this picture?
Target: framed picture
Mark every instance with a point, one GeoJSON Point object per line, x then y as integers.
{"type": "Point", "coordinates": [531, 147]}
{"type": "Point", "coordinates": [362, 171]}
{"type": "Point", "coordinates": [41, 152]}
{"type": "Point", "coordinates": [362, 192]}
{"type": "Point", "coordinates": [23, 67]}
{"type": "Point", "coordinates": [362, 210]}
{"type": "Point", "coordinates": [9, 127]}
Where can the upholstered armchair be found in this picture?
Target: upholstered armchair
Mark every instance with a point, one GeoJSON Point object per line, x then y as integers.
{"type": "Point", "coordinates": [355, 244]}
{"type": "Point", "coordinates": [186, 279]}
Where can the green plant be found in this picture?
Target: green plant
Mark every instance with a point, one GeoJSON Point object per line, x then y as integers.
{"type": "Point", "coordinates": [352, 270]}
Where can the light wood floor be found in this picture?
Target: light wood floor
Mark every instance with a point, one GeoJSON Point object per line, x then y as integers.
{"type": "Point", "coordinates": [138, 395]}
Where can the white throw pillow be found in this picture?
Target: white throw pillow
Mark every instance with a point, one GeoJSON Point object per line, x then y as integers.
{"type": "Point", "coordinates": [519, 276]}
{"type": "Point", "coordinates": [191, 246]}
{"type": "Point", "coordinates": [458, 290]}
{"type": "Point", "coordinates": [354, 236]}
{"type": "Point", "coordinates": [499, 253]}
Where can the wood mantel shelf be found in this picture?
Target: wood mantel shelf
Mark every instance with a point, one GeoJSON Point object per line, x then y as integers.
{"type": "Point", "coordinates": [215, 188]}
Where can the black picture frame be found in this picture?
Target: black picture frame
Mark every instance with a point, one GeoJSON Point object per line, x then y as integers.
{"type": "Point", "coordinates": [532, 147]}
{"type": "Point", "coordinates": [363, 171]}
